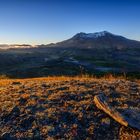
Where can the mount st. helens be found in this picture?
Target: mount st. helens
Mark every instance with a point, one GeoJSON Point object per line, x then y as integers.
{"type": "Point", "coordinates": [92, 53]}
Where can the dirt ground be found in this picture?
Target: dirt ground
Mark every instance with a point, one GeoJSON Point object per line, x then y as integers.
{"type": "Point", "coordinates": [63, 108]}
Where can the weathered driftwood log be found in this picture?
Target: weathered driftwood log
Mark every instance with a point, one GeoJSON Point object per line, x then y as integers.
{"type": "Point", "coordinates": [129, 120]}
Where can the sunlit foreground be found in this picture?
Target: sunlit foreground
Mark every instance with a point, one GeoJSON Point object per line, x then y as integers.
{"type": "Point", "coordinates": [64, 108]}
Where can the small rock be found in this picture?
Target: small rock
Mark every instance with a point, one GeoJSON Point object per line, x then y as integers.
{"type": "Point", "coordinates": [62, 88]}
{"type": "Point", "coordinates": [44, 85]}
{"type": "Point", "coordinates": [106, 121]}
{"type": "Point", "coordinates": [16, 83]}
{"type": "Point", "coordinates": [21, 92]}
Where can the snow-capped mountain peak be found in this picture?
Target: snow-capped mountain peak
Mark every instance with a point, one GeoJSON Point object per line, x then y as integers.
{"type": "Point", "coordinates": [92, 35]}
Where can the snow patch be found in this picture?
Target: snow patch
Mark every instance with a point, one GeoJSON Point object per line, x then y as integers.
{"type": "Point", "coordinates": [93, 35]}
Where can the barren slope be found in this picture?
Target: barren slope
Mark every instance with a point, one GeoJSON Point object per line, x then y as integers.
{"type": "Point", "coordinates": [63, 108]}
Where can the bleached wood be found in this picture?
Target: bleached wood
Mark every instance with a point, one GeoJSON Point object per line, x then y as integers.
{"type": "Point", "coordinates": [129, 120]}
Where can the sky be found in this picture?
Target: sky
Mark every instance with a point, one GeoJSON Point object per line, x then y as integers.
{"type": "Point", "coordinates": [49, 21]}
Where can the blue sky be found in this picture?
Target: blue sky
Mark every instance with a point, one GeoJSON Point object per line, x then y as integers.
{"type": "Point", "coordinates": [46, 21]}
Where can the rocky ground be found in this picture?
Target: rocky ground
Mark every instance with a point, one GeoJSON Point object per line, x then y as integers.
{"type": "Point", "coordinates": [63, 108]}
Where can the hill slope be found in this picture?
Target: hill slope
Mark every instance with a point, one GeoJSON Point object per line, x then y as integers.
{"type": "Point", "coordinates": [63, 108]}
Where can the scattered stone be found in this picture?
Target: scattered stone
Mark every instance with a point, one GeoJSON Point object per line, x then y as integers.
{"type": "Point", "coordinates": [45, 85]}
{"type": "Point", "coordinates": [21, 92]}
{"type": "Point", "coordinates": [62, 88]}
{"type": "Point", "coordinates": [105, 121]}
{"type": "Point", "coordinates": [16, 83]}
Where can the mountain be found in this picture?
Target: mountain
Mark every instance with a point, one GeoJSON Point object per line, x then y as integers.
{"type": "Point", "coordinates": [93, 53]}
{"type": "Point", "coordinates": [99, 39]}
